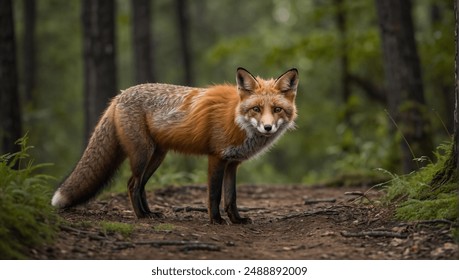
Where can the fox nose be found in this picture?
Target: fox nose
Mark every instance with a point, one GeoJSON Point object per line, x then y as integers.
{"type": "Point", "coordinates": [268, 127]}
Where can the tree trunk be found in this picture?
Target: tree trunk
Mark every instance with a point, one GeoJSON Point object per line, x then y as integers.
{"type": "Point", "coordinates": [340, 18]}
{"type": "Point", "coordinates": [10, 112]}
{"type": "Point", "coordinates": [445, 89]}
{"type": "Point", "coordinates": [142, 41]}
{"type": "Point", "coordinates": [345, 85]}
{"type": "Point", "coordinates": [456, 90]}
{"type": "Point", "coordinates": [450, 169]}
{"type": "Point", "coordinates": [29, 50]}
{"type": "Point", "coordinates": [456, 107]}
{"type": "Point", "coordinates": [183, 25]}
{"type": "Point", "coordinates": [404, 81]}
{"type": "Point", "coordinates": [99, 58]}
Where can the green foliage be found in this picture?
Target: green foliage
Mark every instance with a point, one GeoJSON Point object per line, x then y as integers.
{"type": "Point", "coordinates": [27, 218]}
{"type": "Point", "coordinates": [163, 227]}
{"type": "Point", "coordinates": [443, 207]}
{"type": "Point", "coordinates": [417, 199]}
{"type": "Point", "coordinates": [82, 224]}
{"type": "Point", "coordinates": [362, 145]}
{"type": "Point", "coordinates": [117, 227]}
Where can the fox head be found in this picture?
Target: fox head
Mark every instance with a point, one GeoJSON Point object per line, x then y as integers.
{"type": "Point", "coordinates": [266, 107]}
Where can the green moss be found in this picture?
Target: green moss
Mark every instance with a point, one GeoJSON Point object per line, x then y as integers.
{"type": "Point", "coordinates": [418, 199]}
{"type": "Point", "coordinates": [27, 218]}
{"type": "Point", "coordinates": [164, 227]}
{"type": "Point", "coordinates": [117, 227]}
{"type": "Point", "coordinates": [82, 224]}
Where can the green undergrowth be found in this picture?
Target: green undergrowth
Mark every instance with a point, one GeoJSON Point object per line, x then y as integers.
{"type": "Point", "coordinates": [117, 227]}
{"type": "Point", "coordinates": [417, 199]}
{"type": "Point", "coordinates": [27, 218]}
{"type": "Point", "coordinates": [163, 227]}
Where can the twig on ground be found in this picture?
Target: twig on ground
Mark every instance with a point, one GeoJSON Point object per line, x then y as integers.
{"type": "Point", "coordinates": [200, 247]}
{"type": "Point", "coordinates": [359, 194]}
{"type": "Point", "coordinates": [186, 245]}
{"type": "Point", "coordinates": [248, 209]}
{"type": "Point", "coordinates": [90, 234]}
{"type": "Point", "coordinates": [309, 213]}
{"type": "Point", "coordinates": [204, 209]}
{"type": "Point", "coordinates": [355, 193]}
{"type": "Point", "coordinates": [436, 221]}
{"type": "Point", "coordinates": [319, 200]}
{"type": "Point", "coordinates": [376, 233]}
{"type": "Point", "coordinates": [189, 209]}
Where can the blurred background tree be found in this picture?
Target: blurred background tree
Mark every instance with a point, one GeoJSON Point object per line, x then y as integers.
{"type": "Point", "coordinates": [343, 127]}
{"type": "Point", "coordinates": [142, 41]}
{"type": "Point", "coordinates": [10, 116]}
{"type": "Point", "coordinates": [99, 57]}
{"type": "Point", "coordinates": [404, 87]}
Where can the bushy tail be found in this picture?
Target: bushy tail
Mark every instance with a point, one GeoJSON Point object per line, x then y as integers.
{"type": "Point", "coordinates": [98, 164]}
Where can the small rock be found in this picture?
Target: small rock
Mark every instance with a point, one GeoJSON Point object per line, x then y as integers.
{"type": "Point", "coordinates": [396, 242]}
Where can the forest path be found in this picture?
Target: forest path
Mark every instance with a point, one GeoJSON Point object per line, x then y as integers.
{"type": "Point", "coordinates": [344, 226]}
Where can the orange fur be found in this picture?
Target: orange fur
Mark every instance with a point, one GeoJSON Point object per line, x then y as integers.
{"type": "Point", "coordinates": [208, 127]}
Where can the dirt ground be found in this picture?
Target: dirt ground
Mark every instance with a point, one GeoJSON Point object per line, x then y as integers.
{"type": "Point", "coordinates": [289, 222]}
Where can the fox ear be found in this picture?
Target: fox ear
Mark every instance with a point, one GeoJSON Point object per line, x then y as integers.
{"type": "Point", "coordinates": [246, 82]}
{"type": "Point", "coordinates": [288, 82]}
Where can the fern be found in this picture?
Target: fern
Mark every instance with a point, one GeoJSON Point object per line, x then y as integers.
{"type": "Point", "coordinates": [26, 216]}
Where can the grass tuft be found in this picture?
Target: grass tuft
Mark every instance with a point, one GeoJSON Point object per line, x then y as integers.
{"type": "Point", "coordinates": [164, 227]}
{"type": "Point", "coordinates": [117, 227]}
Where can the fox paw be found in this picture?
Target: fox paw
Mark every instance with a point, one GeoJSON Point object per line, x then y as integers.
{"type": "Point", "coordinates": [218, 221]}
{"type": "Point", "coordinates": [243, 221]}
{"type": "Point", "coordinates": [151, 215]}
{"type": "Point", "coordinates": [156, 215]}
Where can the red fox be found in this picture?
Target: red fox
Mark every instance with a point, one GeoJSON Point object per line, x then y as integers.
{"type": "Point", "coordinates": [228, 123]}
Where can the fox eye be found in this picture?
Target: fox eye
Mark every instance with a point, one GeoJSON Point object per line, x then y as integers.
{"type": "Point", "coordinates": [277, 109]}
{"type": "Point", "coordinates": [256, 109]}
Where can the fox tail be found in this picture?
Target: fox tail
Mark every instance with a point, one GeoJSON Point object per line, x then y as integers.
{"type": "Point", "coordinates": [97, 165]}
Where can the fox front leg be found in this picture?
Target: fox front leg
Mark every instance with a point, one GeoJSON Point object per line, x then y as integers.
{"type": "Point", "coordinates": [216, 171]}
{"type": "Point", "coordinates": [229, 185]}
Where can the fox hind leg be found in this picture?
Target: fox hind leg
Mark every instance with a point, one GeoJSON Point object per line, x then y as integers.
{"type": "Point", "coordinates": [142, 169]}
{"type": "Point", "coordinates": [155, 161]}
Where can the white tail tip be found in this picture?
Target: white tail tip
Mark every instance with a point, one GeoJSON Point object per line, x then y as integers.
{"type": "Point", "coordinates": [58, 199]}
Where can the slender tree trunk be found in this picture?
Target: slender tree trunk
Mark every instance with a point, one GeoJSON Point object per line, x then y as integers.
{"type": "Point", "coordinates": [344, 61]}
{"type": "Point", "coordinates": [10, 110]}
{"type": "Point", "coordinates": [29, 49]}
{"type": "Point", "coordinates": [455, 152]}
{"type": "Point", "coordinates": [447, 116]}
{"type": "Point", "coordinates": [183, 25]}
{"type": "Point", "coordinates": [142, 41]}
{"type": "Point", "coordinates": [445, 90]}
{"type": "Point", "coordinates": [100, 86]}
{"type": "Point", "coordinates": [456, 107]}
{"type": "Point", "coordinates": [450, 169]}
{"type": "Point", "coordinates": [345, 85]}
{"type": "Point", "coordinates": [404, 81]}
